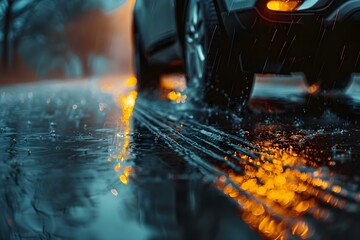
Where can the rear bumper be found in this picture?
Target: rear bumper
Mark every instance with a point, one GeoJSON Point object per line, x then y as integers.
{"type": "Point", "coordinates": [277, 42]}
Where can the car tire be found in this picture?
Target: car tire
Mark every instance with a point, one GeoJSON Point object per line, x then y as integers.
{"type": "Point", "coordinates": [212, 66]}
{"type": "Point", "coordinates": [147, 75]}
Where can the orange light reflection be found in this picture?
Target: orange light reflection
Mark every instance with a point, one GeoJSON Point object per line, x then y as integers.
{"type": "Point", "coordinates": [125, 95]}
{"type": "Point", "coordinates": [274, 194]}
{"type": "Point", "coordinates": [313, 88]}
{"type": "Point", "coordinates": [173, 88]}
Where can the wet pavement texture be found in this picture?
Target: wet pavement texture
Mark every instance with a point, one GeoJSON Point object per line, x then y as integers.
{"type": "Point", "coordinates": [98, 160]}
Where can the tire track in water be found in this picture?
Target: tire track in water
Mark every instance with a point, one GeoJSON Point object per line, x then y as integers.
{"type": "Point", "coordinates": [215, 136]}
{"type": "Point", "coordinates": [260, 155]}
{"type": "Point", "coordinates": [195, 157]}
{"type": "Point", "coordinates": [226, 158]}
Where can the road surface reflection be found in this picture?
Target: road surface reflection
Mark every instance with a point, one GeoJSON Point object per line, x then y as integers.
{"type": "Point", "coordinates": [99, 160]}
{"type": "Point", "coordinates": [282, 184]}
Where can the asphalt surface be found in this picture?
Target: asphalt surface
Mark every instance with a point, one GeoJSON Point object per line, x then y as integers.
{"type": "Point", "coordinates": [98, 160]}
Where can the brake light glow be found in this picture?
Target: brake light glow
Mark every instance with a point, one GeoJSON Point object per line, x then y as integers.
{"type": "Point", "coordinates": [283, 5]}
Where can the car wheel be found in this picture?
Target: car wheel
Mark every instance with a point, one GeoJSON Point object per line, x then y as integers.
{"type": "Point", "coordinates": [212, 66]}
{"type": "Point", "coordinates": [147, 76]}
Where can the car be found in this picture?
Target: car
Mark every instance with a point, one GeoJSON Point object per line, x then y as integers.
{"type": "Point", "coordinates": [221, 44]}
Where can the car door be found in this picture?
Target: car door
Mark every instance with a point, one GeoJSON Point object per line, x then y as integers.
{"type": "Point", "coordinates": [157, 23]}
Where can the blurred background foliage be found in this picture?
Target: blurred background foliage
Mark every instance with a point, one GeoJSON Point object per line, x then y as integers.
{"type": "Point", "coordinates": [43, 39]}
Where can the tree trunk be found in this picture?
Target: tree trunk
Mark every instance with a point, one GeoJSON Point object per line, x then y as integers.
{"type": "Point", "coordinates": [6, 40]}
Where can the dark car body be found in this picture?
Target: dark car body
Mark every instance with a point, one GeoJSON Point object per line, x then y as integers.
{"type": "Point", "coordinates": [318, 36]}
{"type": "Point", "coordinates": [157, 21]}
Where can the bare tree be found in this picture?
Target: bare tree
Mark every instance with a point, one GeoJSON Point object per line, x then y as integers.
{"type": "Point", "coordinates": [41, 22]}
{"type": "Point", "coordinates": [6, 29]}
{"type": "Point", "coordinates": [13, 11]}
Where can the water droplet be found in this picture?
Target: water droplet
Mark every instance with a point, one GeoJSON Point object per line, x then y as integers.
{"type": "Point", "coordinates": [114, 192]}
{"type": "Point", "coordinates": [341, 153]}
{"type": "Point", "coordinates": [52, 132]}
{"type": "Point", "coordinates": [102, 107]}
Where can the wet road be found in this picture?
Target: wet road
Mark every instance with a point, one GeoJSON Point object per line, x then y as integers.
{"type": "Point", "coordinates": [98, 160]}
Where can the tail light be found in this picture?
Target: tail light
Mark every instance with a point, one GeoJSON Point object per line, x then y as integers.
{"type": "Point", "coordinates": [283, 5]}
